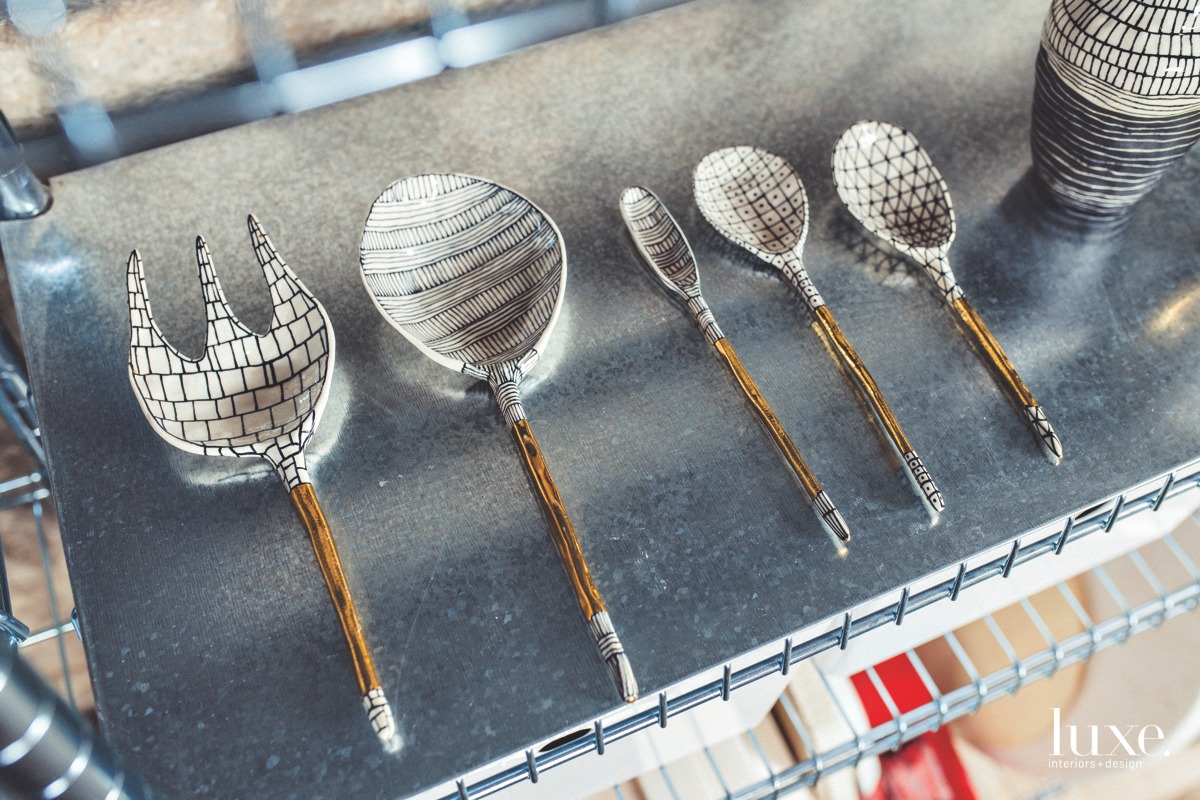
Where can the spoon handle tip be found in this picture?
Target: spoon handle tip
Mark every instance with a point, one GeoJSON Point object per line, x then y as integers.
{"type": "Point", "coordinates": [614, 656]}
{"type": "Point", "coordinates": [1051, 445]}
{"type": "Point", "coordinates": [922, 482]}
{"type": "Point", "coordinates": [379, 714]}
{"type": "Point", "coordinates": [830, 517]}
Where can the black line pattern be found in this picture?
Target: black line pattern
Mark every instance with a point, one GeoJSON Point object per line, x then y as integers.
{"type": "Point", "coordinates": [756, 199]}
{"type": "Point", "coordinates": [892, 187]}
{"type": "Point", "coordinates": [661, 241]}
{"type": "Point", "coordinates": [470, 272]}
{"type": "Point", "coordinates": [247, 395]}
{"type": "Point", "coordinates": [1116, 101]}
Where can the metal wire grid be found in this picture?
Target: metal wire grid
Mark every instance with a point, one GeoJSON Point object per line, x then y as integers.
{"type": "Point", "coordinates": [24, 496]}
{"type": "Point", "coordinates": [1099, 519]}
{"type": "Point", "coordinates": [1132, 618]}
{"type": "Point", "coordinates": [449, 36]}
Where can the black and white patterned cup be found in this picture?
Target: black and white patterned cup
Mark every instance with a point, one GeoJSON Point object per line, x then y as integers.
{"type": "Point", "coordinates": [1116, 101]}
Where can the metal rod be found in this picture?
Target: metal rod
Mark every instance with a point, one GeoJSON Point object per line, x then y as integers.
{"type": "Point", "coordinates": [22, 195]}
{"type": "Point", "coordinates": [46, 750]}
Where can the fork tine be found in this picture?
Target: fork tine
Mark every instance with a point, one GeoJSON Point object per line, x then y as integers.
{"type": "Point", "coordinates": [282, 281]}
{"type": "Point", "coordinates": [144, 333]}
{"type": "Point", "coordinates": [223, 325]}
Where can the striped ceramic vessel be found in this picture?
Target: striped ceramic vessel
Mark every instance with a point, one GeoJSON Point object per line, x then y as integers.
{"type": "Point", "coordinates": [1117, 100]}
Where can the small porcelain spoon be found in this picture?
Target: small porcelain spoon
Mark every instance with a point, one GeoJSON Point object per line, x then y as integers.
{"type": "Point", "coordinates": [756, 200]}
{"type": "Point", "coordinates": [890, 184]}
{"type": "Point", "coordinates": [660, 240]}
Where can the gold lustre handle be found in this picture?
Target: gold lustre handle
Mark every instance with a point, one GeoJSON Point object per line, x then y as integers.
{"type": "Point", "coordinates": [858, 371]}
{"type": "Point", "coordinates": [305, 501]}
{"type": "Point", "coordinates": [561, 529]}
{"type": "Point", "coordinates": [1010, 382]}
{"type": "Point", "coordinates": [769, 420]}
{"type": "Point", "coordinates": [598, 621]}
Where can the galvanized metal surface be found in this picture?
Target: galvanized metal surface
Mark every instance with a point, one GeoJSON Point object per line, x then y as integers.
{"type": "Point", "coordinates": [209, 632]}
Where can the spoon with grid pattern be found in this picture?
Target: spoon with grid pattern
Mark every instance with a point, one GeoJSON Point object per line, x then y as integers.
{"type": "Point", "coordinates": [890, 184]}
{"type": "Point", "coordinates": [254, 396]}
{"type": "Point", "coordinates": [474, 274]}
{"type": "Point", "coordinates": [662, 243]}
{"type": "Point", "coordinates": [756, 200]}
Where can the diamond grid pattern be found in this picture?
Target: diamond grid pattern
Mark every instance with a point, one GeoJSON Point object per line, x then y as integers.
{"type": "Point", "coordinates": [756, 199]}
{"type": "Point", "coordinates": [889, 183]}
{"type": "Point", "coordinates": [247, 395]}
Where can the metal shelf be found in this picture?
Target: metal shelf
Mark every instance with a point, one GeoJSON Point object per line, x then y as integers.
{"type": "Point", "coordinates": [1169, 599]}
{"type": "Point", "coordinates": [66, 259]}
{"type": "Point", "coordinates": [1136, 618]}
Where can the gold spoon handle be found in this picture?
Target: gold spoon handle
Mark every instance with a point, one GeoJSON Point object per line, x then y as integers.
{"type": "Point", "coordinates": [830, 518]}
{"type": "Point", "coordinates": [569, 550]}
{"type": "Point", "coordinates": [914, 468]}
{"type": "Point", "coordinates": [378, 710]}
{"type": "Point", "coordinates": [1009, 380]}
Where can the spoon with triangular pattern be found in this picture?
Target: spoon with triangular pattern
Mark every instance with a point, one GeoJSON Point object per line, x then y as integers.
{"type": "Point", "coordinates": [890, 184]}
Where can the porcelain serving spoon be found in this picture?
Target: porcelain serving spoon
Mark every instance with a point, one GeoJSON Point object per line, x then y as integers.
{"type": "Point", "coordinates": [473, 274]}
{"type": "Point", "coordinates": [662, 243]}
{"type": "Point", "coordinates": [755, 199]}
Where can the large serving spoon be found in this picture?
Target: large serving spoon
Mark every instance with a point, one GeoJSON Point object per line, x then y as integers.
{"type": "Point", "coordinates": [890, 184]}
{"type": "Point", "coordinates": [662, 243]}
{"type": "Point", "coordinates": [756, 200]}
{"type": "Point", "coordinates": [473, 274]}
{"type": "Point", "coordinates": [257, 396]}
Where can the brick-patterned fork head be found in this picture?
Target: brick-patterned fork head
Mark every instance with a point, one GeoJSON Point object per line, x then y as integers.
{"type": "Point", "coordinates": [248, 394]}
{"type": "Point", "coordinates": [255, 395]}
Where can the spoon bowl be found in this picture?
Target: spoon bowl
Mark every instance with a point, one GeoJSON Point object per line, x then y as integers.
{"type": "Point", "coordinates": [753, 198]}
{"type": "Point", "coordinates": [890, 184]}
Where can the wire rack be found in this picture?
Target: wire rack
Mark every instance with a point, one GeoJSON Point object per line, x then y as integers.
{"type": "Point", "coordinates": [1142, 589]}
{"type": "Point", "coordinates": [434, 36]}
{"type": "Point", "coordinates": [23, 502]}
{"type": "Point", "coordinates": [1052, 541]}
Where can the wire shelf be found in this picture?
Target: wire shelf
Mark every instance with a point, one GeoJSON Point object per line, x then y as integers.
{"type": "Point", "coordinates": [24, 516]}
{"type": "Point", "coordinates": [1166, 599]}
{"type": "Point", "coordinates": [1097, 519]}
